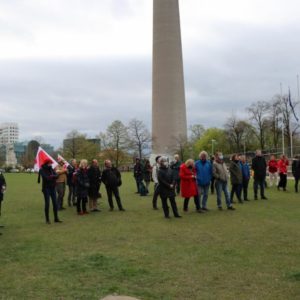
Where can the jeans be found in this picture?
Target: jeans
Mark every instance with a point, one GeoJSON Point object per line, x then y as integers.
{"type": "Point", "coordinates": [203, 193]}
{"type": "Point", "coordinates": [50, 193]}
{"type": "Point", "coordinates": [222, 186]}
{"type": "Point", "coordinates": [81, 204]}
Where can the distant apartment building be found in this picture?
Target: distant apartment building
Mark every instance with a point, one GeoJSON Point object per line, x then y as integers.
{"type": "Point", "coordinates": [9, 133]}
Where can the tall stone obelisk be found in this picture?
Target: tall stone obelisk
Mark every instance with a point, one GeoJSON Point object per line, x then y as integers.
{"type": "Point", "coordinates": [168, 97]}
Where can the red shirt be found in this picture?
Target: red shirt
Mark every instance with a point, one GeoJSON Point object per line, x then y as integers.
{"type": "Point", "coordinates": [272, 166]}
{"type": "Point", "coordinates": [282, 166]}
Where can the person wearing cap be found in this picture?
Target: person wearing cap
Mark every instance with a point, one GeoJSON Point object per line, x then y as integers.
{"type": "Point", "coordinates": [155, 180]}
{"type": "Point", "coordinates": [49, 177]}
{"type": "Point", "coordinates": [61, 182]}
{"type": "Point", "coordinates": [167, 185]}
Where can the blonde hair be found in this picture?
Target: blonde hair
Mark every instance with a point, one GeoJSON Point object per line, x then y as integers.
{"type": "Point", "coordinates": [189, 162]}
{"type": "Point", "coordinates": [83, 163]}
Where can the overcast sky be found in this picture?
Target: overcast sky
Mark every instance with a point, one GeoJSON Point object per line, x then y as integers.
{"type": "Point", "coordinates": [81, 64]}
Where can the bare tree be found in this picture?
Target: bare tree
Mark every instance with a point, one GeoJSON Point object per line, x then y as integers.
{"type": "Point", "coordinates": [259, 117]}
{"type": "Point", "coordinates": [73, 143]}
{"type": "Point", "coordinates": [139, 136]}
{"type": "Point", "coordinates": [117, 139]}
{"type": "Point", "coordinates": [237, 132]}
{"type": "Point", "coordinates": [196, 132]}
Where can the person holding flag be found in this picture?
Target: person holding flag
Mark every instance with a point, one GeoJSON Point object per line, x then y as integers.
{"type": "Point", "coordinates": [49, 177]}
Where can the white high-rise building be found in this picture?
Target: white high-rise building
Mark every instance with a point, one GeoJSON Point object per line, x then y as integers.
{"type": "Point", "coordinates": [9, 133]}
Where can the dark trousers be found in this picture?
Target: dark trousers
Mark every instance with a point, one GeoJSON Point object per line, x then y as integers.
{"type": "Point", "coordinates": [178, 186]}
{"type": "Point", "coordinates": [164, 201]}
{"type": "Point", "coordinates": [81, 204]}
{"type": "Point", "coordinates": [155, 195]}
{"type": "Point", "coordinates": [245, 188]}
{"type": "Point", "coordinates": [113, 191]}
{"type": "Point", "coordinates": [283, 180]}
{"type": "Point", "coordinates": [196, 201]}
{"type": "Point", "coordinates": [50, 193]}
{"type": "Point", "coordinates": [212, 185]}
{"type": "Point", "coordinates": [235, 189]}
{"type": "Point", "coordinates": [72, 195]}
{"type": "Point", "coordinates": [60, 189]}
{"type": "Point", "coordinates": [261, 184]}
{"type": "Point", "coordinates": [296, 184]}
{"type": "Point", "coordinates": [137, 181]}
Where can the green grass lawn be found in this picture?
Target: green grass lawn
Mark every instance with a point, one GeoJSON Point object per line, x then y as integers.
{"type": "Point", "coordinates": [251, 253]}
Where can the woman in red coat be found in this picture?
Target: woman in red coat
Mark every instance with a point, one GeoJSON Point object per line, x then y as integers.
{"type": "Point", "coordinates": [282, 169]}
{"type": "Point", "coordinates": [188, 185]}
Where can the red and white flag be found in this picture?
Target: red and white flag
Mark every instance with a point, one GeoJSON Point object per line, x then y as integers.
{"type": "Point", "coordinates": [60, 158]}
{"type": "Point", "coordinates": [41, 157]}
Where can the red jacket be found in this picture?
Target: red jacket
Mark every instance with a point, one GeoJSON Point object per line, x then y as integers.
{"type": "Point", "coordinates": [272, 166]}
{"type": "Point", "coordinates": [282, 166]}
{"type": "Point", "coordinates": [188, 186]}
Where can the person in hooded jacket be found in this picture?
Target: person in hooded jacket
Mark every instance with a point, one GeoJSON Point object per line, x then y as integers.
{"type": "Point", "coordinates": [111, 177]}
{"type": "Point", "coordinates": [204, 177]}
{"type": "Point", "coordinates": [167, 184]}
{"type": "Point", "coordinates": [283, 170]}
{"type": "Point", "coordinates": [188, 185]}
{"type": "Point", "coordinates": [83, 185]}
{"type": "Point", "coordinates": [246, 176]}
{"type": "Point", "coordinates": [49, 177]}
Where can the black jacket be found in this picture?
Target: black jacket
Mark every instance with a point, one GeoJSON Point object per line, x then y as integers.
{"type": "Point", "coordinates": [296, 168]}
{"type": "Point", "coordinates": [165, 179]}
{"type": "Point", "coordinates": [49, 177]}
{"type": "Point", "coordinates": [70, 173]}
{"type": "Point", "coordinates": [2, 183]}
{"type": "Point", "coordinates": [83, 182]}
{"type": "Point", "coordinates": [94, 175]}
{"type": "Point", "coordinates": [111, 177]}
{"type": "Point", "coordinates": [236, 175]}
{"type": "Point", "coordinates": [259, 166]}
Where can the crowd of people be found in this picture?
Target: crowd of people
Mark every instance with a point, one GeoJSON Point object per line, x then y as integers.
{"type": "Point", "coordinates": [194, 179]}
{"type": "Point", "coordinates": [83, 182]}
{"type": "Point", "coordinates": [191, 179]}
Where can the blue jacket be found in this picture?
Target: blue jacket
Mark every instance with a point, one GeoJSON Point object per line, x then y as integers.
{"type": "Point", "coordinates": [245, 170]}
{"type": "Point", "coordinates": [204, 172]}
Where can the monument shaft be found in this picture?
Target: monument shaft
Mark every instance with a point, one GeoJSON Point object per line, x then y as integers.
{"type": "Point", "coordinates": [168, 97]}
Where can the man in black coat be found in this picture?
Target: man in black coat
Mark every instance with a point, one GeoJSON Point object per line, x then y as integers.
{"type": "Point", "coordinates": [2, 190]}
{"type": "Point", "coordinates": [167, 183]}
{"type": "Point", "coordinates": [259, 166]}
{"type": "Point", "coordinates": [111, 178]}
{"type": "Point", "coordinates": [138, 174]}
{"type": "Point", "coordinates": [48, 188]}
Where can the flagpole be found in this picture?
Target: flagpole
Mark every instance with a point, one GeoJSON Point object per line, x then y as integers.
{"type": "Point", "coordinates": [298, 87]}
{"type": "Point", "coordinates": [282, 126]}
{"type": "Point", "coordinates": [291, 131]}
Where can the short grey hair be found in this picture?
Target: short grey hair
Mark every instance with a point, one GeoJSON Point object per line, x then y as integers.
{"type": "Point", "coordinates": [203, 153]}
